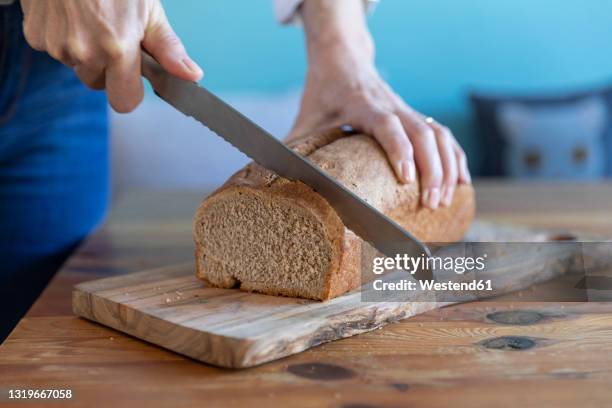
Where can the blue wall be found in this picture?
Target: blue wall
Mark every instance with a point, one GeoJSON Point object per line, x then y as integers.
{"type": "Point", "coordinates": [431, 51]}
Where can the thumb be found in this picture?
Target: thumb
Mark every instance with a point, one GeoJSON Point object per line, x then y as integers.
{"type": "Point", "coordinates": [163, 44]}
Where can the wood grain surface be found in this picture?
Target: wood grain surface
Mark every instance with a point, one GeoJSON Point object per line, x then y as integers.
{"type": "Point", "coordinates": [169, 307]}
{"type": "Point", "coordinates": [503, 354]}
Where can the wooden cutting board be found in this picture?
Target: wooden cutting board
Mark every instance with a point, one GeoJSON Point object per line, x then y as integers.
{"type": "Point", "coordinates": [231, 328]}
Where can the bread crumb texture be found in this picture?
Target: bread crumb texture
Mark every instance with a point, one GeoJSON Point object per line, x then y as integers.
{"type": "Point", "coordinates": [263, 233]}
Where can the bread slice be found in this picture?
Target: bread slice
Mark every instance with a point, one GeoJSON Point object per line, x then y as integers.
{"type": "Point", "coordinates": [266, 234]}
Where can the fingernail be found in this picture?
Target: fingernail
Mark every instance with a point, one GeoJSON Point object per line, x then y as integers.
{"type": "Point", "coordinates": [433, 198]}
{"type": "Point", "coordinates": [192, 66]}
{"type": "Point", "coordinates": [447, 195]}
{"type": "Point", "coordinates": [408, 171]}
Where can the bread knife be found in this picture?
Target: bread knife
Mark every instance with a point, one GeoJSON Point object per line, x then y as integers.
{"type": "Point", "coordinates": [364, 220]}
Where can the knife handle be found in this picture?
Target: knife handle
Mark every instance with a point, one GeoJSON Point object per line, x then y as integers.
{"type": "Point", "coordinates": [150, 68]}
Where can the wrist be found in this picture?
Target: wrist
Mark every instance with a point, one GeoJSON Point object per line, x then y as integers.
{"type": "Point", "coordinates": [336, 30]}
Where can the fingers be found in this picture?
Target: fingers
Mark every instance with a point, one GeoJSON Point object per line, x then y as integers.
{"type": "Point", "coordinates": [123, 82]}
{"type": "Point", "coordinates": [34, 24]}
{"type": "Point", "coordinates": [358, 97]}
{"type": "Point", "coordinates": [448, 157]}
{"type": "Point", "coordinates": [165, 46]}
{"type": "Point", "coordinates": [114, 67]}
{"type": "Point", "coordinates": [464, 172]}
{"type": "Point", "coordinates": [387, 129]}
{"type": "Point", "coordinates": [92, 78]}
{"type": "Point", "coordinates": [427, 157]}
{"type": "Point", "coordinates": [105, 50]}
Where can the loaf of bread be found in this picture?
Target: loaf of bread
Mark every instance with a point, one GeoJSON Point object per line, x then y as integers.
{"type": "Point", "coordinates": [266, 234]}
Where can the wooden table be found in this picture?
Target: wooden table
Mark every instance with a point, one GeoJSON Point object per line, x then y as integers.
{"type": "Point", "coordinates": [561, 354]}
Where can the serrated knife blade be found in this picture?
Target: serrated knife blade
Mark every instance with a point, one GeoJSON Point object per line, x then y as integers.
{"type": "Point", "coordinates": [364, 220]}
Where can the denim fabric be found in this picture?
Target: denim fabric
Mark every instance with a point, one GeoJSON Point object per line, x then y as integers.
{"type": "Point", "coordinates": [53, 167]}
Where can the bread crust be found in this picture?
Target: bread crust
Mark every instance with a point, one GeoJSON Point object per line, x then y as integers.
{"type": "Point", "coordinates": [359, 163]}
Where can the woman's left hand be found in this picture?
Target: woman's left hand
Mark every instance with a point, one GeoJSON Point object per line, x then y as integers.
{"type": "Point", "coordinates": [343, 87]}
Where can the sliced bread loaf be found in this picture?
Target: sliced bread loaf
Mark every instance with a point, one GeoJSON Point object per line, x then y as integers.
{"type": "Point", "coordinates": [263, 233]}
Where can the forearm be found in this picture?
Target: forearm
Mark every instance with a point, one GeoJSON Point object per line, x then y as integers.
{"type": "Point", "coordinates": [336, 29]}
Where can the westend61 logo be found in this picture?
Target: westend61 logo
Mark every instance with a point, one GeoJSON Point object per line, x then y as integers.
{"type": "Point", "coordinates": [411, 264]}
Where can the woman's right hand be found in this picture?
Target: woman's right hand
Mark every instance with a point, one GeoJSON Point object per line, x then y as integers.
{"type": "Point", "coordinates": [102, 41]}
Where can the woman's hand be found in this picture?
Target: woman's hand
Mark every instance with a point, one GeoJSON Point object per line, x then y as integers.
{"type": "Point", "coordinates": [102, 40]}
{"type": "Point", "coordinates": [343, 88]}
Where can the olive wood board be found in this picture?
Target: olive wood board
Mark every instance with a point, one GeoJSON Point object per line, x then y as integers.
{"type": "Point", "coordinates": [169, 307]}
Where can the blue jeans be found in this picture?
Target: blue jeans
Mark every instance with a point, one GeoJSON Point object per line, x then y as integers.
{"type": "Point", "coordinates": [53, 167]}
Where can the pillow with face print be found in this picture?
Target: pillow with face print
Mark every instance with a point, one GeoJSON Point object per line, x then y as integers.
{"type": "Point", "coordinates": [545, 137]}
{"type": "Point", "coordinates": [547, 141]}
